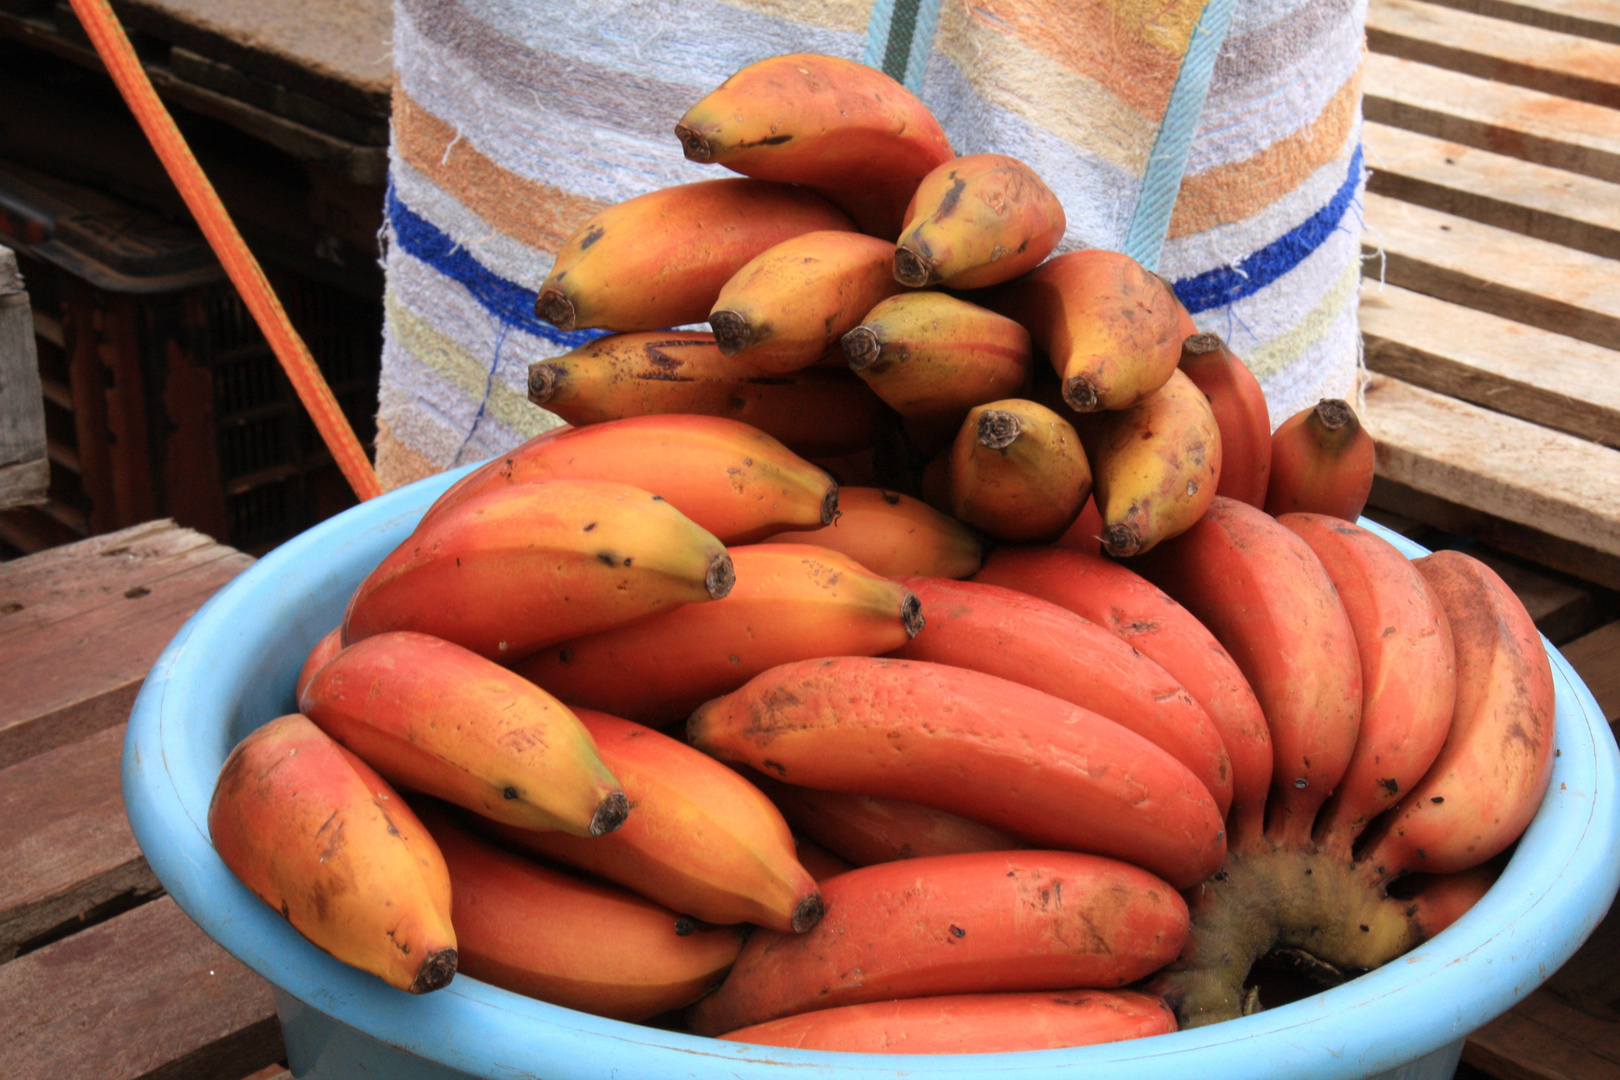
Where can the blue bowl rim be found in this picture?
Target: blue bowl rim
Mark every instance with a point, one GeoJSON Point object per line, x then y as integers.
{"type": "Point", "coordinates": [1552, 894]}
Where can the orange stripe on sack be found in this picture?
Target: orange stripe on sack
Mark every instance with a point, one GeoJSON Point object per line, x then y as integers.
{"type": "Point", "coordinates": [533, 213]}
{"type": "Point", "coordinates": [1133, 48]}
{"type": "Point", "coordinates": [1241, 189]}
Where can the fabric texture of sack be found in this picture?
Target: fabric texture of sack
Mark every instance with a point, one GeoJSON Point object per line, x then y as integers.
{"type": "Point", "coordinates": [1219, 144]}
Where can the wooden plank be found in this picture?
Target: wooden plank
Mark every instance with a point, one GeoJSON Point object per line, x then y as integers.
{"type": "Point", "coordinates": [1595, 19]}
{"type": "Point", "coordinates": [1556, 63]}
{"type": "Point", "coordinates": [1524, 541]}
{"type": "Point", "coordinates": [1596, 657]}
{"type": "Point", "coordinates": [1497, 464]}
{"type": "Point", "coordinates": [1546, 1038]}
{"type": "Point", "coordinates": [1506, 366]}
{"type": "Point", "coordinates": [1549, 204]}
{"type": "Point", "coordinates": [67, 852]}
{"type": "Point", "coordinates": [80, 625]}
{"type": "Point", "coordinates": [25, 471]}
{"type": "Point", "coordinates": [1479, 266]}
{"type": "Point", "coordinates": [145, 996]}
{"type": "Point", "coordinates": [1528, 124]}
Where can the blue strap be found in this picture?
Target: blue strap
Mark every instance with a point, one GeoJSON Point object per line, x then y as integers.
{"type": "Point", "coordinates": [899, 37]}
{"type": "Point", "coordinates": [1144, 241]}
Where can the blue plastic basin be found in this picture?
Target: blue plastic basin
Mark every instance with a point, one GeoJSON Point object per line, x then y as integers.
{"type": "Point", "coordinates": [232, 667]}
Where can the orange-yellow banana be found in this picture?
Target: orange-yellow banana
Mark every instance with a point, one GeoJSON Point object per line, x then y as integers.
{"type": "Point", "coordinates": [1408, 672]}
{"type": "Point", "coordinates": [980, 747]}
{"type": "Point", "coordinates": [659, 259]}
{"type": "Point", "coordinates": [865, 829]}
{"type": "Point", "coordinates": [1240, 412]}
{"type": "Point", "coordinates": [790, 304]}
{"type": "Point", "coordinates": [1156, 465]}
{"type": "Point", "coordinates": [520, 567]}
{"type": "Point", "coordinates": [791, 602]}
{"type": "Point", "coordinates": [312, 831]}
{"type": "Point", "coordinates": [1016, 470]}
{"type": "Point", "coordinates": [1322, 462]}
{"type": "Point", "coordinates": [839, 127]}
{"type": "Point", "coordinates": [949, 924]}
{"type": "Point", "coordinates": [817, 412]}
{"type": "Point", "coordinates": [1489, 778]}
{"type": "Point", "coordinates": [1112, 330]}
{"type": "Point", "coordinates": [932, 357]}
{"type": "Point", "coordinates": [433, 717]}
{"type": "Point", "coordinates": [976, 221]}
{"type": "Point", "coordinates": [970, 1023]}
{"type": "Point", "coordinates": [581, 944]}
{"type": "Point", "coordinates": [1263, 592]}
{"type": "Point", "coordinates": [701, 840]}
{"type": "Point", "coordinates": [893, 535]}
{"type": "Point", "coordinates": [731, 479]}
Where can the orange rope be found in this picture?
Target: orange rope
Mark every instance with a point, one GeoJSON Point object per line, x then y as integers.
{"type": "Point", "coordinates": [108, 36]}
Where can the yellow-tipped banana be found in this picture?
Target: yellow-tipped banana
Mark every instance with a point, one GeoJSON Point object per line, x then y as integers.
{"type": "Point", "coordinates": [895, 535]}
{"type": "Point", "coordinates": [312, 831]}
{"type": "Point", "coordinates": [976, 221]}
{"type": "Point", "coordinates": [838, 127]}
{"type": "Point", "coordinates": [818, 412]}
{"type": "Point", "coordinates": [514, 569]}
{"type": "Point", "coordinates": [1017, 471]}
{"type": "Point", "coordinates": [790, 305]}
{"type": "Point", "coordinates": [932, 357]}
{"type": "Point", "coordinates": [1156, 466]}
{"type": "Point", "coordinates": [659, 259]}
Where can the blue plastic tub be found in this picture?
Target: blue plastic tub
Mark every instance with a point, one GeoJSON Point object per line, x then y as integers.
{"type": "Point", "coordinates": [232, 667]}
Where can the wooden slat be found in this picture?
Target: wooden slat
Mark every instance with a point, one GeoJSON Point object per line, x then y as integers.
{"type": "Point", "coordinates": [1545, 1037]}
{"type": "Point", "coordinates": [66, 852]}
{"type": "Point", "coordinates": [1595, 19]}
{"type": "Point", "coordinates": [25, 472]}
{"type": "Point", "coordinates": [80, 625]}
{"type": "Point", "coordinates": [1524, 541]}
{"type": "Point", "coordinates": [1505, 366]}
{"type": "Point", "coordinates": [1556, 63]}
{"type": "Point", "coordinates": [1528, 124]}
{"type": "Point", "coordinates": [145, 996]}
{"type": "Point", "coordinates": [1480, 266]}
{"type": "Point", "coordinates": [1549, 204]}
{"type": "Point", "coordinates": [1596, 657]}
{"type": "Point", "coordinates": [1498, 464]}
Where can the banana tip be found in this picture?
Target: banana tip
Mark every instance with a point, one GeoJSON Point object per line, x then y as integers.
{"type": "Point", "coordinates": [437, 969]}
{"type": "Point", "coordinates": [1199, 344]}
{"type": "Point", "coordinates": [911, 615]}
{"type": "Point", "coordinates": [732, 334]}
{"type": "Point", "coordinates": [861, 348]}
{"type": "Point", "coordinates": [808, 912]}
{"type": "Point", "coordinates": [1121, 541]}
{"type": "Point", "coordinates": [542, 382]}
{"type": "Point", "coordinates": [552, 306]}
{"type": "Point", "coordinates": [829, 504]}
{"type": "Point", "coordinates": [610, 814]}
{"type": "Point", "coordinates": [694, 144]}
{"type": "Point", "coordinates": [721, 576]}
{"type": "Point", "coordinates": [912, 269]}
{"type": "Point", "coordinates": [998, 429]}
{"type": "Point", "coordinates": [1080, 394]}
{"type": "Point", "coordinates": [1334, 413]}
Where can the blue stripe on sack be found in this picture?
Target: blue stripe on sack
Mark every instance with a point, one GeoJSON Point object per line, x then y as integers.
{"type": "Point", "coordinates": [512, 304]}
{"type": "Point", "coordinates": [1218, 288]}
{"type": "Point", "coordinates": [899, 38]}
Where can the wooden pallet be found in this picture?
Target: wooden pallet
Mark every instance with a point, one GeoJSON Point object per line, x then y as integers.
{"type": "Point", "coordinates": [1491, 297]}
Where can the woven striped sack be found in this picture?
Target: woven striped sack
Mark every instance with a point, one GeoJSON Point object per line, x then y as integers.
{"type": "Point", "coordinates": [1217, 141]}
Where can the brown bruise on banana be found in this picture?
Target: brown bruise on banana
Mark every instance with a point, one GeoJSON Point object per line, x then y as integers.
{"type": "Point", "coordinates": [1268, 899]}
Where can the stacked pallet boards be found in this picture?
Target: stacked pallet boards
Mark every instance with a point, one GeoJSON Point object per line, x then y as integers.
{"type": "Point", "coordinates": [1491, 291]}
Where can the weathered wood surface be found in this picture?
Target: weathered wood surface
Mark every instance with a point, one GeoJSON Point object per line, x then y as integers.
{"type": "Point", "coordinates": [145, 995]}
{"type": "Point", "coordinates": [1528, 124]}
{"type": "Point", "coordinates": [1549, 204]}
{"type": "Point", "coordinates": [67, 844]}
{"type": "Point", "coordinates": [1568, 65]}
{"type": "Point", "coordinates": [1596, 656]}
{"type": "Point", "coordinates": [1550, 286]}
{"type": "Point", "coordinates": [1497, 464]}
{"type": "Point", "coordinates": [1595, 19]}
{"type": "Point", "coordinates": [25, 470]}
{"type": "Point", "coordinates": [1502, 365]}
{"type": "Point", "coordinates": [128, 592]}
